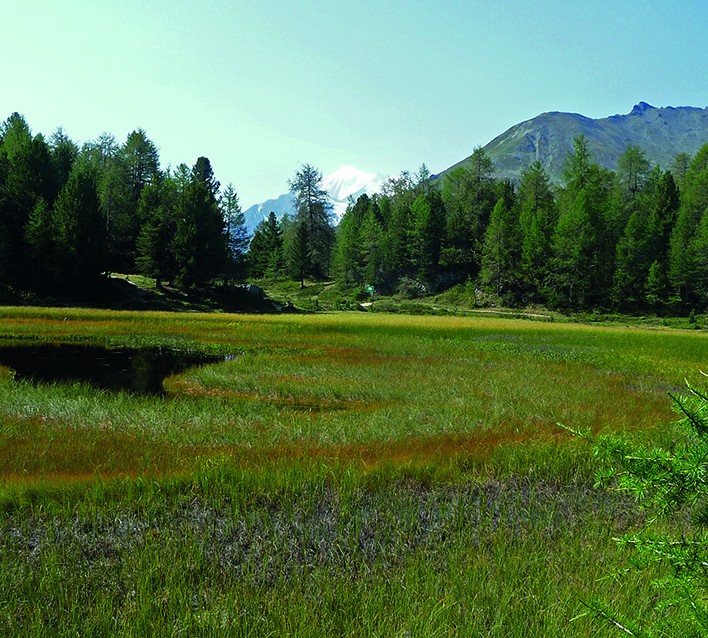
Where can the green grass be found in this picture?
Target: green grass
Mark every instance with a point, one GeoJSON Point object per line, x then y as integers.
{"type": "Point", "coordinates": [341, 474]}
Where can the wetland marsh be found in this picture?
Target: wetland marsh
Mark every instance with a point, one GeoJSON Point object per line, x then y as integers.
{"type": "Point", "coordinates": [343, 474]}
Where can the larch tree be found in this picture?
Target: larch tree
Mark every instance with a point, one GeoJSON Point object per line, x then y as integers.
{"type": "Point", "coordinates": [139, 165]}
{"type": "Point", "coordinates": [427, 233]}
{"type": "Point", "coordinates": [39, 237]}
{"type": "Point", "coordinates": [632, 172]}
{"type": "Point", "coordinates": [500, 252]}
{"type": "Point", "coordinates": [372, 239]}
{"type": "Point", "coordinates": [313, 211]}
{"type": "Point", "coordinates": [79, 230]}
{"type": "Point", "coordinates": [537, 220]}
{"type": "Point", "coordinates": [683, 258]}
{"type": "Point", "coordinates": [64, 153]}
{"type": "Point", "coordinates": [582, 263]}
{"type": "Point", "coordinates": [155, 245]}
{"type": "Point", "coordinates": [350, 251]}
{"type": "Point", "coordinates": [679, 167]}
{"type": "Point", "coordinates": [468, 193]}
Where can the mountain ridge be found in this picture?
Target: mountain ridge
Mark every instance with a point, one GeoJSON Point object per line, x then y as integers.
{"type": "Point", "coordinates": [661, 133]}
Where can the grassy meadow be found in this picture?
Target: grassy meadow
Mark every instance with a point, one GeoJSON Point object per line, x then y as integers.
{"type": "Point", "coordinates": [346, 474]}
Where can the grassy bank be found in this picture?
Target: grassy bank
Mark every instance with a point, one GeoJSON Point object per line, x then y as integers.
{"type": "Point", "coordinates": [349, 474]}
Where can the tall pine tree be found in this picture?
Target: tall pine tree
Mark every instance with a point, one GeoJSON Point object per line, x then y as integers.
{"type": "Point", "coordinates": [582, 262]}
{"type": "Point", "coordinates": [237, 238]}
{"type": "Point", "coordinates": [265, 252]}
{"type": "Point", "coordinates": [79, 231]}
{"type": "Point", "coordinates": [684, 266]}
{"type": "Point", "coordinates": [200, 237]}
{"type": "Point", "coordinates": [500, 253]}
{"type": "Point", "coordinates": [537, 220]}
{"type": "Point", "coordinates": [156, 242]}
{"type": "Point", "coordinates": [313, 211]}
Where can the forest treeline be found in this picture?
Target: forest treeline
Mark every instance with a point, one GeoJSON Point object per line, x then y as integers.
{"type": "Point", "coordinates": [70, 214]}
{"type": "Point", "coordinates": [634, 239]}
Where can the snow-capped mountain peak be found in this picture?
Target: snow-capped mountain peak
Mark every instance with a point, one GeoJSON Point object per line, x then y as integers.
{"type": "Point", "coordinates": [345, 183]}
{"type": "Point", "coordinates": [349, 181]}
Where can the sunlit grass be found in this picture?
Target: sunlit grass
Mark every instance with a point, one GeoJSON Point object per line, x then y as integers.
{"type": "Point", "coordinates": [339, 474]}
{"type": "Point", "coordinates": [352, 383]}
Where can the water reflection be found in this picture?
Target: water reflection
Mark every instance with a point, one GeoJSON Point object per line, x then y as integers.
{"type": "Point", "coordinates": [136, 370]}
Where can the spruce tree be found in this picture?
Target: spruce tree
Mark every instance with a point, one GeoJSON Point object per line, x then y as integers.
{"type": "Point", "coordinates": [662, 216]}
{"type": "Point", "coordinates": [200, 237]}
{"type": "Point", "coordinates": [26, 169]}
{"type": "Point", "coordinates": [299, 258]}
{"type": "Point", "coordinates": [265, 252]}
{"type": "Point", "coordinates": [237, 237]}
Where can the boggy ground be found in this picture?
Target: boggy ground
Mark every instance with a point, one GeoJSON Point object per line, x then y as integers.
{"type": "Point", "coordinates": [339, 474]}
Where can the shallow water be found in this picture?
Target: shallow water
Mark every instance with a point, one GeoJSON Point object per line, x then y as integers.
{"type": "Point", "coordinates": [136, 370]}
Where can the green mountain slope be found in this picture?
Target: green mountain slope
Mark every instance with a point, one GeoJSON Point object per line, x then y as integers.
{"type": "Point", "coordinates": [660, 132]}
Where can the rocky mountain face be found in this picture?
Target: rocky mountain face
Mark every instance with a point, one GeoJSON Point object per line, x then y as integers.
{"type": "Point", "coordinates": [548, 138]}
{"type": "Point", "coordinates": [345, 183]}
{"type": "Point", "coordinates": [258, 212]}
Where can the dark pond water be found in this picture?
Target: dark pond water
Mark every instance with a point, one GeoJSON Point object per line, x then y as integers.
{"type": "Point", "coordinates": [139, 370]}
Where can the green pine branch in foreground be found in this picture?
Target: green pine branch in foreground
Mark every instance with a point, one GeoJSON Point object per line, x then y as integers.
{"type": "Point", "coordinates": [672, 485]}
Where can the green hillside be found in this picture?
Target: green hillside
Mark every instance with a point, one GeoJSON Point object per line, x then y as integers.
{"type": "Point", "coordinates": [661, 133]}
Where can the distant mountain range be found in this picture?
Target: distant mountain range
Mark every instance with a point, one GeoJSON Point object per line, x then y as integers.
{"type": "Point", "coordinates": [346, 182]}
{"type": "Point", "coordinates": [548, 138]}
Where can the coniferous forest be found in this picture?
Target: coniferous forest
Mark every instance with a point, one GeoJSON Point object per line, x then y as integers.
{"type": "Point", "coordinates": [68, 215]}
{"type": "Point", "coordinates": [634, 239]}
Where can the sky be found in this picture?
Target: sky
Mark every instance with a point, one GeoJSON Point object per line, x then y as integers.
{"type": "Point", "coordinates": [261, 87]}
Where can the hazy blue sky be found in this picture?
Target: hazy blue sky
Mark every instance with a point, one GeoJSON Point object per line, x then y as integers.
{"type": "Point", "coordinates": [261, 87]}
